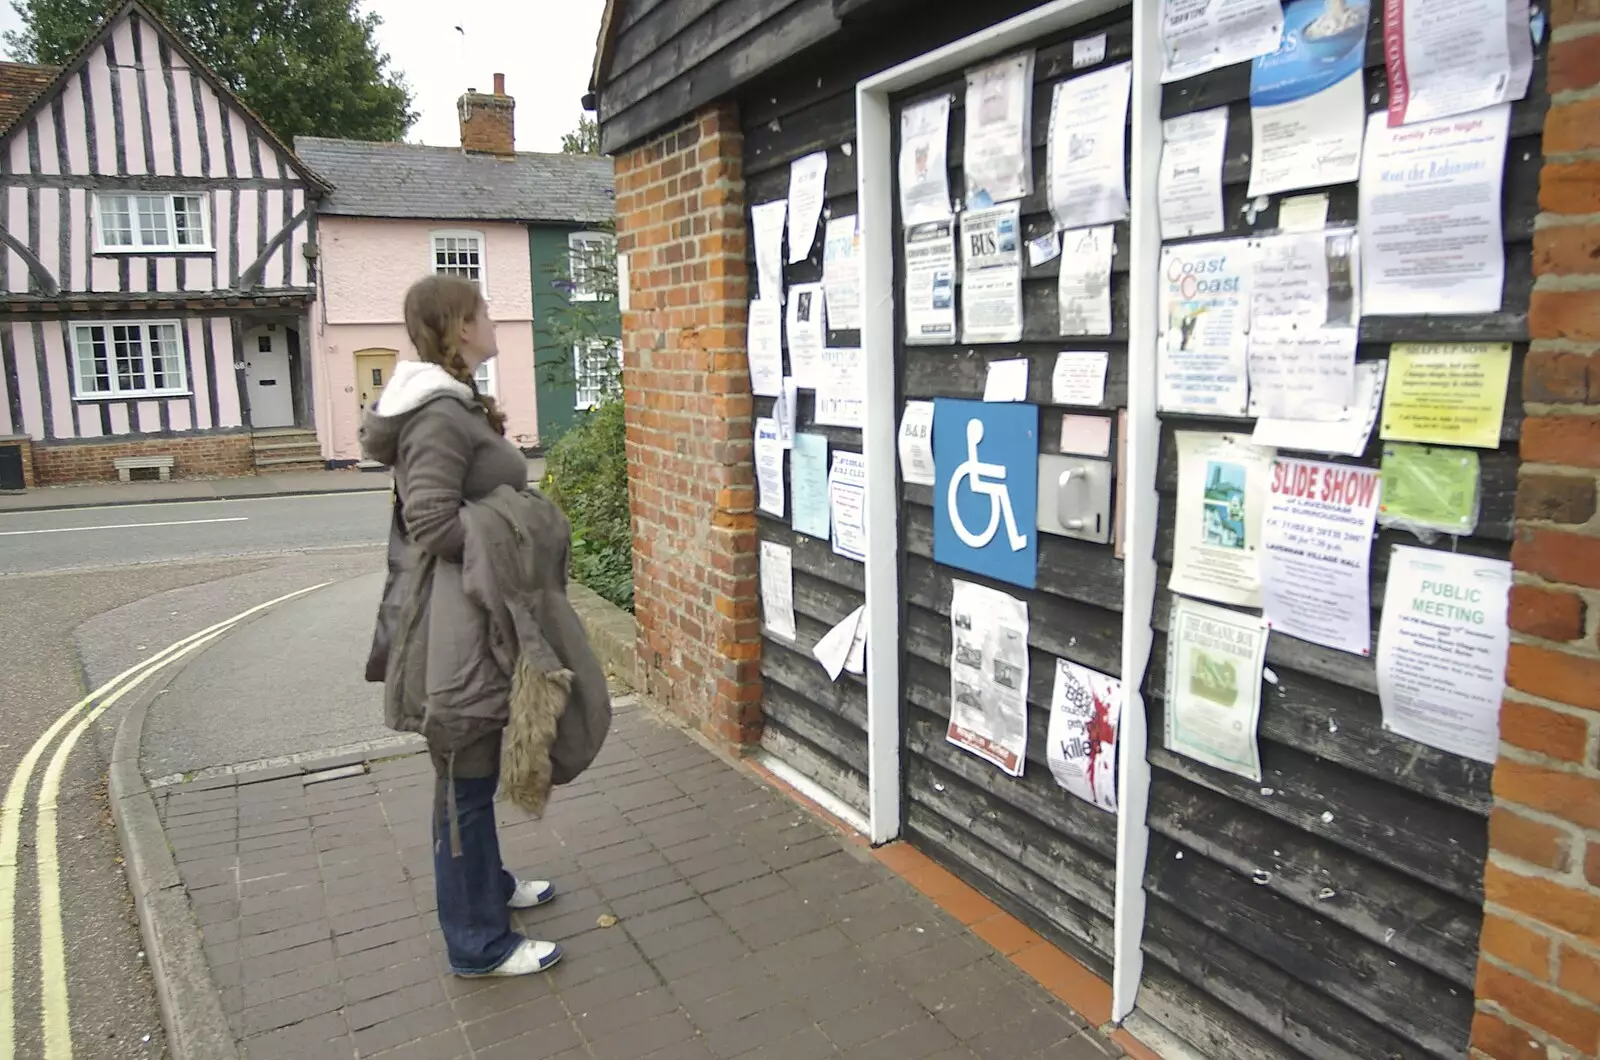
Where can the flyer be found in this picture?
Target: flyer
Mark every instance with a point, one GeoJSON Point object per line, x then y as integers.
{"type": "Point", "coordinates": [1307, 99]}
{"type": "Point", "coordinates": [841, 388]}
{"type": "Point", "coordinates": [1085, 713]}
{"type": "Point", "coordinates": [766, 220]}
{"type": "Point", "coordinates": [1079, 378]}
{"type": "Point", "coordinates": [769, 467]}
{"type": "Point", "coordinates": [1447, 393]}
{"type": "Point", "coordinates": [1087, 152]}
{"type": "Point", "coordinates": [1303, 332]}
{"type": "Point", "coordinates": [1430, 215]}
{"type": "Point", "coordinates": [1205, 319]}
{"type": "Point", "coordinates": [808, 479]}
{"type": "Point", "coordinates": [1189, 187]}
{"type": "Point", "coordinates": [991, 304]}
{"type": "Point", "coordinates": [1303, 213]}
{"type": "Point", "coordinates": [1346, 436]}
{"type": "Point", "coordinates": [764, 341]}
{"type": "Point", "coordinates": [1213, 700]}
{"type": "Point", "coordinates": [1083, 288]}
{"type": "Point", "coordinates": [783, 410]}
{"type": "Point", "coordinates": [990, 238]}
{"type": "Point", "coordinates": [989, 675]}
{"type": "Point", "coordinates": [841, 273]}
{"type": "Point", "coordinates": [777, 589]}
{"type": "Point", "coordinates": [1449, 57]}
{"type": "Point", "coordinates": [1442, 650]}
{"type": "Point", "coordinates": [1006, 380]}
{"type": "Point", "coordinates": [916, 443]}
{"type": "Point", "coordinates": [931, 284]}
{"type": "Point", "coordinates": [1427, 490]}
{"type": "Point", "coordinates": [1090, 51]}
{"type": "Point", "coordinates": [1203, 35]}
{"type": "Point", "coordinates": [997, 157]}
{"type": "Point", "coordinates": [807, 178]}
{"type": "Point", "coordinates": [924, 176]}
{"type": "Point", "coordinates": [856, 661]}
{"type": "Point", "coordinates": [1223, 483]}
{"type": "Point", "coordinates": [1316, 551]}
{"type": "Point", "coordinates": [833, 650]}
{"type": "Point", "coordinates": [1045, 248]}
{"type": "Point", "coordinates": [807, 330]}
{"type": "Point", "coordinates": [847, 499]}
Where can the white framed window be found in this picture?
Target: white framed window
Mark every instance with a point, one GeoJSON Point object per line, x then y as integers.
{"type": "Point", "coordinates": [130, 221]}
{"type": "Point", "coordinates": [597, 368]}
{"type": "Point", "coordinates": [460, 253]}
{"type": "Point", "coordinates": [129, 359]}
{"type": "Point", "coordinates": [485, 378]}
{"type": "Point", "coordinates": [592, 255]}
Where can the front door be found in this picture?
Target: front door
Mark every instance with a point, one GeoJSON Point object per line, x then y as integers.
{"type": "Point", "coordinates": [266, 370]}
{"type": "Point", "coordinates": [373, 369]}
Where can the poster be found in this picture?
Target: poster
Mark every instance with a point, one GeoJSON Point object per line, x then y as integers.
{"type": "Point", "coordinates": [989, 675]}
{"type": "Point", "coordinates": [1085, 713]}
{"type": "Point", "coordinates": [807, 329]}
{"type": "Point", "coordinates": [841, 273]}
{"type": "Point", "coordinates": [1427, 490]}
{"type": "Point", "coordinates": [1442, 650]}
{"type": "Point", "coordinates": [1307, 100]}
{"type": "Point", "coordinates": [1303, 325]}
{"type": "Point", "coordinates": [1007, 380]}
{"type": "Point", "coordinates": [833, 650]}
{"type": "Point", "coordinates": [764, 343]}
{"type": "Point", "coordinates": [1198, 36]}
{"type": "Point", "coordinates": [1205, 319]}
{"type": "Point", "coordinates": [1346, 436]}
{"type": "Point", "coordinates": [767, 222]}
{"type": "Point", "coordinates": [916, 443]}
{"type": "Point", "coordinates": [841, 387]}
{"type": "Point", "coordinates": [1079, 378]}
{"type": "Point", "coordinates": [847, 500]}
{"type": "Point", "coordinates": [1223, 482]}
{"type": "Point", "coordinates": [777, 589]}
{"type": "Point", "coordinates": [1083, 287]}
{"type": "Point", "coordinates": [991, 274]}
{"type": "Point", "coordinates": [807, 178]}
{"type": "Point", "coordinates": [1213, 701]}
{"type": "Point", "coordinates": [990, 238]}
{"type": "Point", "coordinates": [769, 467]}
{"type": "Point", "coordinates": [1449, 57]}
{"type": "Point", "coordinates": [1087, 152]}
{"type": "Point", "coordinates": [1189, 187]}
{"type": "Point", "coordinates": [784, 409]}
{"type": "Point", "coordinates": [1430, 215]}
{"type": "Point", "coordinates": [997, 157]}
{"type": "Point", "coordinates": [924, 176]}
{"type": "Point", "coordinates": [1316, 551]}
{"type": "Point", "coordinates": [808, 479]}
{"type": "Point", "coordinates": [931, 284]}
{"type": "Point", "coordinates": [1446, 393]}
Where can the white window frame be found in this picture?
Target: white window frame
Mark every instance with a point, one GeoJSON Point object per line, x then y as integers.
{"type": "Point", "coordinates": [116, 393]}
{"type": "Point", "coordinates": [585, 398]}
{"type": "Point", "coordinates": [578, 241]}
{"type": "Point", "coordinates": [135, 245]}
{"type": "Point", "coordinates": [461, 233]}
{"type": "Point", "coordinates": [490, 383]}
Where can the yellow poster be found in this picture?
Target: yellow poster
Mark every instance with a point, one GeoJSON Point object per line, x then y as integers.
{"type": "Point", "coordinates": [1446, 393]}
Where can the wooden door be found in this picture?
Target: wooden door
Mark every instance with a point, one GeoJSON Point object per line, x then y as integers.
{"type": "Point", "coordinates": [373, 371]}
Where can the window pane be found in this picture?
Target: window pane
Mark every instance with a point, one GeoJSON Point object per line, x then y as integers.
{"type": "Point", "coordinates": [94, 375]}
{"type": "Point", "coordinates": [127, 348]}
{"type": "Point", "coordinates": [166, 357]}
{"type": "Point", "coordinates": [481, 377]}
{"type": "Point", "coordinates": [153, 221]}
{"type": "Point", "coordinates": [188, 220]}
{"type": "Point", "coordinates": [589, 256]}
{"type": "Point", "coordinates": [116, 227]}
{"type": "Point", "coordinates": [458, 256]}
{"type": "Point", "coordinates": [597, 372]}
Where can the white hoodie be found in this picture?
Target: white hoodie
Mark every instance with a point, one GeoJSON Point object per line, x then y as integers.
{"type": "Point", "coordinates": [414, 384]}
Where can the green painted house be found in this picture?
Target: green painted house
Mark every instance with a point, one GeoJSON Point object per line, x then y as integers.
{"type": "Point", "coordinates": [577, 327]}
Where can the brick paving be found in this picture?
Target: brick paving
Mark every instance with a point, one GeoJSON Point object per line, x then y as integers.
{"type": "Point", "coordinates": [744, 927]}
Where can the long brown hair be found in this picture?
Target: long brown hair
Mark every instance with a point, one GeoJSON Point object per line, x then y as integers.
{"type": "Point", "coordinates": [436, 309]}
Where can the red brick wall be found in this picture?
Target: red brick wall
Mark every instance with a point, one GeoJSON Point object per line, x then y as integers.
{"type": "Point", "coordinates": [1539, 973]}
{"type": "Point", "coordinates": [489, 125]}
{"type": "Point", "coordinates": [680, 221]}
{"type": "Point", "coordinates": [198, 456]}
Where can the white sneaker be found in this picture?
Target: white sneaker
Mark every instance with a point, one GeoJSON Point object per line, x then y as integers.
{"type": "Point", "coordinates": [531, 893]}
{"type": "Point", "coordinates": [527, 958]}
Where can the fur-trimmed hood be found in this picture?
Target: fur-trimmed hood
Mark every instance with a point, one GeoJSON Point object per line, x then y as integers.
{"type": "Point", "coordinates": [414, 385]}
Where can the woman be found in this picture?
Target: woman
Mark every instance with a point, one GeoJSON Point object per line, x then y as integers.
{"type": "Point", "coordinates": [445, 442]}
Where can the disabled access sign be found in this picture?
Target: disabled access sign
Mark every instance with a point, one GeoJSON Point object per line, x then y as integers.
{"type": "Point", "coordinates": [985, 494]}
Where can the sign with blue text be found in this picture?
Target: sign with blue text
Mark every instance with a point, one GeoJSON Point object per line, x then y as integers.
{"type": "Point", "coordinates": [985, 497]}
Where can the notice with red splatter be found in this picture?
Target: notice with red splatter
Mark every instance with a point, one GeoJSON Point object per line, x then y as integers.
{"type": "Point", "coordinates": [1084, 714]}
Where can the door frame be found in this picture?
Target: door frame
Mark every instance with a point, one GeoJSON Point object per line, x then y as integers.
{"type": "Point", "coordinates": [875, 175]}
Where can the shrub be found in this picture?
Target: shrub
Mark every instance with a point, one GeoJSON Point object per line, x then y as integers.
{"type": "Point", "coordinates": [586, 473]}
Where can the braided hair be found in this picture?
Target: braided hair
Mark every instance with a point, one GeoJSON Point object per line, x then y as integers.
{"type": "Point", "coordinates": [436, 309]}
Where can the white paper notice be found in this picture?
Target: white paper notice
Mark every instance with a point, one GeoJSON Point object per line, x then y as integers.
{"type": "Point", "coordinates": [764, 341]}
{"type": "Point", "coordinates": [1316, 551]}
{"type": "Point", "coordinates": [833, 650]}
{"type": "Point", "coordinates": [1202, 35]}
{"type": "Point", "coordinates": [1442, 650]}
{"type": "Point", "coordinates": [784, 410]}
{"type": "Point", "coordinates": [1079, 378]}
{"type": "Point", "coordinates": [1088, 148]}
{"type": "Point", "coordinates": [1083, 287]}
{"type": "Point", "coordinates": [924, 178]}
{"type": "Point", "coordinates": [847, 501]}
{"type": "Point", "coordinates": [991, 305]}
{"type": "Point", "coordinates": [1223, 483]}
{"type": "Point", "coordinates": [1302, 375]}
{"type": "Point", "coordinates": [1007, 380]}
{"type": "Point", "coordinates": [841, 388]}
{"type": "Point", "coordinates": [1085, 713]}
{"type": "Point", "coordinates": [1190, 184]}
{"type": "Point", "coordinates": [777, 589]}
{"type": "Point", "coordinates": [1302, 331]}
{"type": "Point", "coordinates": [998, 157]}
{"type": "Point", "coordinates": [1090, 51]}
{"type": "Point", "coordinates": [807, 329]}
{"type": "Point", "coordinates": [1044, 248]}
{"type": "Point", "coordinates": [1213, 701]}
{"type": "Point", "coordinates": [841, 273]}
{"type": "Point", "coordinates": [1303, 213]}
{"type": "Point", "coordinates": [1449, 57]}
{"type": "Point", "coordinates": [769, 467]}
{"type": "Point", "coordinates": [767, 222]}
{"type": "Point", "coordinates": [989, 675]}
{"type": "Point", "coordinates": [916, 443]}
{"type": "Point", "coordinates": [1346, 436]}
{"type": "Point", "coordinates": [856, 661]}
{"type": "Point", "coordinates": [1203, 351]}
{"type": "Point", "coordinates": [931, 284]}
{"type": "Point", "coordinates": [807, 176]}
{"type": "Point", "coordinates": [1430, 215]}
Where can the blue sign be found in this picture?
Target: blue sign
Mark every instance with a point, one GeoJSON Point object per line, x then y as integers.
{"type": "Point", "coordinates": [986, 488]}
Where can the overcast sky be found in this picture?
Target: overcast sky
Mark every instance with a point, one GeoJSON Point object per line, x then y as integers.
{"type": "Point", "coordinates": [544, 47]}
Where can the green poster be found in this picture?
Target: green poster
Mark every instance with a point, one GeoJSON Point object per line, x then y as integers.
{"type": "Point", "coordinates": [1429, 488]}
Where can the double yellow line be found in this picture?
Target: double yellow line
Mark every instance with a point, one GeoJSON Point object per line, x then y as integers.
{"type": "Point", "coordinates": [56, 1027]}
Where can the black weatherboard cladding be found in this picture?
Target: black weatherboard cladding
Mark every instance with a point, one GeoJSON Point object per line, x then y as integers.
{"type": "Point", "coordinates": [1333, 910]}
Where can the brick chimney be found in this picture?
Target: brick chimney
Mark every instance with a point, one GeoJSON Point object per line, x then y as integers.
{"type": "Point", "coordinates": [488, 125]}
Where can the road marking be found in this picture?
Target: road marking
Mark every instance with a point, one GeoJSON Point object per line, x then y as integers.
{"type": "Point", "coordinates": [11, 813]}
{"type": "Point", "coordinates": [121, 526]}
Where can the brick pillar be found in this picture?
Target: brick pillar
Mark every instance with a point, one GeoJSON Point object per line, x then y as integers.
{"type": "Point", "coordinates": [1539, 974]}
{"type": "Point", "coordinates": [680, 221]}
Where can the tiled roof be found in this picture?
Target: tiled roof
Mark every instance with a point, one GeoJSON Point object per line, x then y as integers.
{"type": "Point", "coordinates": [20, 85]}
{"type": "Point", "coordinates": [445, 183]}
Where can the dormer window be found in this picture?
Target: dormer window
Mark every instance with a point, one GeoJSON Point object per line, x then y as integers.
{"type": "Point", "coordinates": [137, 222]}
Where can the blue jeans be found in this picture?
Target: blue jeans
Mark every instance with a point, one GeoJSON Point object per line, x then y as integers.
{"type": "Point", "coordinates": [472, 886]}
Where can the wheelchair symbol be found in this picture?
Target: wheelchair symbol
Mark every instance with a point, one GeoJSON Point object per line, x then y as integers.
{"type": "Point", "coordinates": [988, 480]}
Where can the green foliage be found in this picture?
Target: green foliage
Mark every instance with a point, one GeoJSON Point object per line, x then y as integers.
{"type": "Point", "coordinates": [586, 473]}
{"type": "Point", "coordinates": [584, 140]}
{"type": "Point", "coordinates": [307, 67]}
